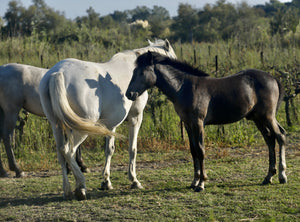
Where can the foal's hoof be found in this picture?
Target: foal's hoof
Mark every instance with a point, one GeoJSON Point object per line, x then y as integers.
{"type": "Point", "coordinates": [282, 180]}
{"type": "Point", "coordinates": [266, 181]}
{"type": "Point", "coordinates": [193, 186]}
{"type": "Point", "coordinates": [105, 185]}
{"type": "Point", "coordinates": [20, 174]}
{"type": "Point", "coordinates": [80, 194]}
{"type": "Point", "coordinates": [136, 185]}
{"type": "Point", "coordinates": [199, 189]}
{"type": "Point", "coordinates": [85, 170]}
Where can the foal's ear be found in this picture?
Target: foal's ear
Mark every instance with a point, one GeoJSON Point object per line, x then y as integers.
{"type": "Point", "coordinates": [150, 57]}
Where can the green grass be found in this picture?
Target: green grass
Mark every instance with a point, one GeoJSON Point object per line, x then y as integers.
{"type": "Point", "coordinates": [233, 192]}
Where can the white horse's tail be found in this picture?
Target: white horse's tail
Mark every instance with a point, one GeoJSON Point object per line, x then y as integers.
{"type": "Point", "coordinates": [64, 112]}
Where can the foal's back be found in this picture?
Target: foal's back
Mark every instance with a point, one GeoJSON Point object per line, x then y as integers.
{"type": "Point", "coordinates": [250, 93]}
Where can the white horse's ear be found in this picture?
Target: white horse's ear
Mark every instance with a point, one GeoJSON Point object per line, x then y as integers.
{"type": "Point", "coordinates": [167, 44]}
{"type": "Point", "coordinates": [150, 43]}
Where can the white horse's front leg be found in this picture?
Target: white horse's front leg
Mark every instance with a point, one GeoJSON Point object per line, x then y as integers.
{"type": "Point", "coordinates": [109, 151]}
{"type": "Point", "coordinates": [134, 126]}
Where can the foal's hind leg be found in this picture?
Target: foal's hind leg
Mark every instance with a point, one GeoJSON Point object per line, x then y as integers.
{"type": "Point", "coordinates": [270, 141]}
{"type": "Point", "coordinates": [273, 131]}
{"type": "Point", "coordinates": [281, 138]}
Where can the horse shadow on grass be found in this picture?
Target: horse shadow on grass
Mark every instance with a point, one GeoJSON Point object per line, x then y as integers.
{"type": "Point", "coordinates": [31, 201]}
{"type": "Point", "coordinates": [95, 194]}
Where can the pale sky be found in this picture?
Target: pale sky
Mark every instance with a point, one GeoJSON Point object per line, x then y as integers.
{"type": "Point", "coordinates": [74, 8]}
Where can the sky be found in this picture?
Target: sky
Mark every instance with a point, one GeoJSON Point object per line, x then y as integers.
{"type": "Point", "coordinates": [74, 8]}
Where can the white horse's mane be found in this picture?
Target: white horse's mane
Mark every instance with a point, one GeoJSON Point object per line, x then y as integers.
{"type": "Point", "coordinates": [158, 46]}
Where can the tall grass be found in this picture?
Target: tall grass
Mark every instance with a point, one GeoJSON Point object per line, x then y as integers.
{"type": "Point", "coordinates": [161, 130]}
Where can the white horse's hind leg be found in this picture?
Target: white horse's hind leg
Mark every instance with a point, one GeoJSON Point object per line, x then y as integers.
{"type": "Point", "coordinates": [109, 151]}
{"type": "Point", "coordinates": [61, 145]}
{"type": "Point", "coordinates": [134, 126]}
{"type": "Point", "coordinates": [66, 149]}
{"type": "Point", "coordinates": [72, 141]}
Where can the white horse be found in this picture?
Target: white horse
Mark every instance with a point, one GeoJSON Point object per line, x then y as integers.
{"type": "Point", "coordinates": [19, 89]}
{"type": "Point", "coordinates": [77, 95]}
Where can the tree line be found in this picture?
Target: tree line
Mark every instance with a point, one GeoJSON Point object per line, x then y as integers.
{"type": "Point", "coordinates": [213, 22]}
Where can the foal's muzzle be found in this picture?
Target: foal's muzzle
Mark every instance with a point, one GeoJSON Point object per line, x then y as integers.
{"type": "Point", "coordinates": [132, 95]}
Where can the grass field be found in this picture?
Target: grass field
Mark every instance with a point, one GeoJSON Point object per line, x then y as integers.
{"type": "Point", "coordinates": [233, 192]}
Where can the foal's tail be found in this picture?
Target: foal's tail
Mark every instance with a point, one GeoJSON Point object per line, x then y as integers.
{"type": "Point", "coordinates": [63, 111]}
{"type": "Point", "coordinates": [281, 93]}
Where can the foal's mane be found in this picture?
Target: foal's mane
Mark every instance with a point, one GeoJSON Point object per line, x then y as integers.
{"type": "Point", "coordinates": [182, 67]}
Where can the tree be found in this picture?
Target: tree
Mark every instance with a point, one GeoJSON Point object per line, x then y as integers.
{"type": "Point", "coordinates": [185, 23]}
{"type": "Point", "coordinates": [119, 16]}
{"type": "Point", "coordinates": [159, 20]}
{"type": "Point", "coordinates": [284, 21]}
{"type": "Point", "coordinates": [91, 20]}
{"type": "Point", "coordinates": [13, 18]}
{"type": "Point", "coordinates": [140, 13]}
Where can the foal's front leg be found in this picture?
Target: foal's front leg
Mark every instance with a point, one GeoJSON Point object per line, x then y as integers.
{"type": "Point", "coordinates": [196, 140]}
{"type": "Point", "coordinates": [200, 151]}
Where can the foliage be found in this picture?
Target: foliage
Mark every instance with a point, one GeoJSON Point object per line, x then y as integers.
{"type": "Point", "coordinates": [220, 21]}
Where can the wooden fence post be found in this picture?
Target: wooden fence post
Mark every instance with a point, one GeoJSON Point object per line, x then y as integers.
{"type": "Point", "coordinates": [217, 65]}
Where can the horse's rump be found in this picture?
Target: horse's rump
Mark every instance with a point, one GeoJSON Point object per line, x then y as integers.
{"type": "Point", "coordinates": [64, 112]}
